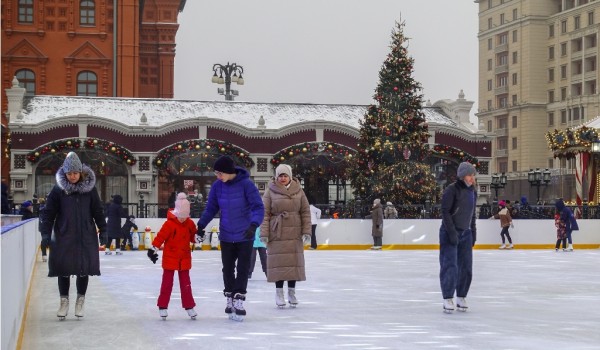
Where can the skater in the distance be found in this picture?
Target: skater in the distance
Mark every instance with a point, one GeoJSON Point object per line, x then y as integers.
{"type": "Point", "coordinates": [126, 232]}
{"type": "Point", "coordinates": [236, 196]}
{"type": "Point", "coordinates": [567, 217]}
{"type": "Point", "coordinates": [176, 234]}
{"type": "Point", "coordinates": [114, 213]}
{"type": "Point", "coordinates": [505, 222]}
{"type": "Point", "coordinates": [390, 211]}
{"type": "Point", "coordinates": [377, 224]}
{"type": "Point", "coordinates": [259, 248]}
{"type": "Point", "coordinates": [457, 238]}
{"type": "Point", "coordinates": [73, 210]}
{"type": "Point", "coordinates": [286, 229]}
{"type": "Point", "coordinates": [26, 210]}
{"type": "Point", "coordinates": [315, 215]}
{"type": "Point", "coordinates": [561, 233]}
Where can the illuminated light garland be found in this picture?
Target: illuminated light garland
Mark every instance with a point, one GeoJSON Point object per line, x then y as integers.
{"type": "Point", "coordinates": [567, 143]}
{"type": "Point", "coordinates": [107, 147]}
{"type": "Point", "coordinates": [210, 146]}
{"type": "Point", "coordinates": [453, 153]}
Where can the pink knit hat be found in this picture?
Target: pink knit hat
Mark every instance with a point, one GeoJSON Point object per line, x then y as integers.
{"type": "Point", "coordinates": [182, 206]}
{"type": "Point", "coordinates": [502, 203]}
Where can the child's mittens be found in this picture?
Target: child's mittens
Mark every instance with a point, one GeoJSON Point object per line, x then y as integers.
{"type": "Point", "coordinates": [153, 255]}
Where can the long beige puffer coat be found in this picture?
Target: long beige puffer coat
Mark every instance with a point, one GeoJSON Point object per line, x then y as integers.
{"type": "Point", "coordinates": [287, 218]}
{"type": "Point", "coordinates": [377, 216]}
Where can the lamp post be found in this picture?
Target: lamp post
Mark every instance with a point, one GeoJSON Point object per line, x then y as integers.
{"type": "Point", "coordinates": [538, 178]}
{"type": "Point", "coordinates": [232, 73]}
{"type": "Point", "coordinates": [498, 181]}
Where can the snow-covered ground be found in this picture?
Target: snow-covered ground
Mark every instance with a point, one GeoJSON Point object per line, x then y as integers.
{"type": "Point", "coordinates": [519, 299]}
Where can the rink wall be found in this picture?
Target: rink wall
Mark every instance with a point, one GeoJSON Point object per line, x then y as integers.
{"type": "Point", "coordinates": [20, 243]}
{"type": "Point", "coordinates": [423, 233]}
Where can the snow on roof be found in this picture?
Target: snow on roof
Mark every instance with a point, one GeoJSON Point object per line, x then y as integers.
{"type": "Point", "coordinates": [163, 111]}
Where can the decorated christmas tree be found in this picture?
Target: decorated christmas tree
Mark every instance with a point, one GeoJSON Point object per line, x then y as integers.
{"type": "Point", "coordinates": [393, 135]}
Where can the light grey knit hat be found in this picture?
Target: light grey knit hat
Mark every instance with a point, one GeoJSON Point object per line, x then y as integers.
{"type": "Point", "coordinates": [72, 164]}
{"type": "Point", "coordinates": [464, 169]}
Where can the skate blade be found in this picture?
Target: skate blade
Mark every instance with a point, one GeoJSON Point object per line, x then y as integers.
{"type": "Point", "coordinates": [461, 309]}
{"type": "Point", "coordinates": [193, 318]}
{"type": "Point", "coordinates": [448, 311]}
{"type": "Point", "coordinates": [164, 318]}
{"type": "Point", "coordinates": [237, 318]}
{"type": "Point", "coordinates": [281, 306]}
{"type": "Point", "coordinates": [293, 306]}
{"type": "Point", "coordinates": [61, 318]}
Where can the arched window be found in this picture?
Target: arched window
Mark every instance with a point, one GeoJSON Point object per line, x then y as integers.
{"type": "Point", "coordinates": [87, 13]}
{"type": "Point", "coordinates": [26, 79]}
{"type": "Point", "coordinates": [25, 11]}
{"type": "Point", "coordinates": [87, 84]}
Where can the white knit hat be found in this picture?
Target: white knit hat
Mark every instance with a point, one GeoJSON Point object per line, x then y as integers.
{"type": "Point", "coordinates": [182, 206]}
{"type": "Point", "coordinates": [283, 169]}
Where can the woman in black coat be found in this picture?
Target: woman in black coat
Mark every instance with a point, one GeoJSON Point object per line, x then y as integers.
{"type": "Point", "coordinates": [114, 213]}
{"type": "Point", "coordinates": [73, 210]}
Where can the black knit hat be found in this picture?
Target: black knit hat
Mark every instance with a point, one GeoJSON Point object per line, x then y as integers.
{"type": "Point", "coordinates": [225, 165]}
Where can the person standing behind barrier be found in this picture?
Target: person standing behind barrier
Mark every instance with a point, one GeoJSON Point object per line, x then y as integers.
{"type": "Point", "coordinates": [315, 215]}
{"type": "Point", "coordinates": [242, 210]}
{"type": "Point", "coordinates": [26, 210]}
{"type": "Point", "coordinates": [114, 213]}
{"type": "Point", "coordinates": [566, 216]}
{"type": "Point", "coordinates": [5, 204]}
{"type": "Point", "coordinates": [390, 211]}
{"type": "Point", "coordinates": [44, 244]}
{"type": "Point", "coordinates": [505, 222]}
{"type": "Point", "coordinates": [561, 233]}
{"type": "Point", "coordinates": [458, 233]}
{"type": "Point", "coordinates": [73, 210]}
{"type": "Point", "coordinates": [260, 248]}
{"type": "Point", "coordinates": [286, 228]}
{"type": "Point", "coordinates": [377, 224]}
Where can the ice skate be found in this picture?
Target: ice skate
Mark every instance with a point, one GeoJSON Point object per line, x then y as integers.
{"type": "Point", "coordinates": [192, 313]}
{"type": "Point", "coordinates": [238, 307]}
{"type": "Point", "coordinates": [163, 313]}
{"type": "Point", "coordinates": [292, 297]}
{"type": "Point", "coordinates": [229, 307]}
{"type": "Point", "coordinates": [79, 305]}
{"type": "Point", "coordinates": [569, 248]}
{"type": "Point", "coordinates": [118, 252]}
{"type": "Point", "coordinates": [503, 246]}
{"type": "Point", "coordinates": [63, 310]}
{"type": "Point", "coordinates": [107, 252]}
{"type": "Point", "coordinates": [449, 305]}
{"type": "Point", "coordinates": [461, 304]}
{"type": "Point", "coordinates": [279, 299]}
{"type": "Point", "coordinates": [510, 246]}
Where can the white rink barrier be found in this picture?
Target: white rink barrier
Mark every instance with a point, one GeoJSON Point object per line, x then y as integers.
{"type": "Point", "coordinates": [424, 233]}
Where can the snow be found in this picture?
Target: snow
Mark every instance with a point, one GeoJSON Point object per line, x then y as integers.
{"type": "Point", "coordinates": [159, 112]}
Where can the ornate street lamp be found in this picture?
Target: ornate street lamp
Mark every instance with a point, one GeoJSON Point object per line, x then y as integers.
{"type": "Point", "coordinates": [232, 73]}
{"type": "Point", "coordinates": [538, 178]}
{"type": "Point", "coordinates": [498, 181]}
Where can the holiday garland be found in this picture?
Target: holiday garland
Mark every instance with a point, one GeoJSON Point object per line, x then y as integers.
{"type": "Point", "coordinates": [452, 153]}
{"type": "Point", "coordinates": [210, 146]}
{"type": "Point", "coordinates": [108, 147]}
{"type": "Point", "coordinates": [567, 143]}
{"type": "Point", "coordinates": [311, 150]}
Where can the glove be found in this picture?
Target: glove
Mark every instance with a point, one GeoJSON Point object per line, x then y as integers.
{"type": "Point", "coordinates": [306, 239]}
{"type": "Point", "coordinates": [200, 236]}
{"type": "Point", "coordinates": [152, 255]}
{"type": "Point", "coordinates": [251, 231]}
{"type": "Point", "coordinates": [264, 240]}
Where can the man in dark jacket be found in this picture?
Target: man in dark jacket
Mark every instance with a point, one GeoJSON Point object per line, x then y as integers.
{"type": "Point", "coordinates": [242, 211]}
{"type": "Point", "coordinates": [114, 213]}
{"type": "Point", "coordinates": [457, 238]}
{"type": "Point", "coordinates": [5, 204]}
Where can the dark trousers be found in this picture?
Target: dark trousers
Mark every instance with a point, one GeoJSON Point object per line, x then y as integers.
{"type": "Point", "coordinates": [456, 264]}
{"type": "Point", "coordinates": [185, 287]}
{"type": "Point", "coordinates": [564, 243]}
{"type": "Point", "coordinates": [231, 253]}
{"type": "Point", "coordinates": [44, 248]}
{"type": "Point", "coordinates": [504, 233]}
{"type": "Point", "coordinates": [262, 253]}
{"type": "Point", "coordinates": [313, 237]}
{"type": "Point", "coordinates": [64, 284]}
{"type": "Point", "coordinates": [377, 241]}
{"type": "Point", "coordinates": [569, 239]}
{"type": "Point", "coordinates": [291, 284]}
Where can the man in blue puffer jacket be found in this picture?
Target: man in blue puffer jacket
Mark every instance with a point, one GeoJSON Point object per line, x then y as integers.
{"type": "Point", "coordinates": [242, 211]}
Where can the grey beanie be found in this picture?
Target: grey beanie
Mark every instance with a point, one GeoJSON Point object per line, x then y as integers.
{"type": "Point", "coordinates": [72, 164]}
{"type": "Point", "coordinates": [464, 169]}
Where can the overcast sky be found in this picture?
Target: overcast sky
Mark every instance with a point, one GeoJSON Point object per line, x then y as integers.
{"type": "Point", "coordinates": [324, 51]}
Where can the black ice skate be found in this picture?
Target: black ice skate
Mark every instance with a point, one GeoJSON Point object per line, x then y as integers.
{"type": "Point", "coordinates": [238, 306]}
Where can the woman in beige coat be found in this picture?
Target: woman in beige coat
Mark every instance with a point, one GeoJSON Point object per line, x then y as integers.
{"type": "Point", "coordinates": [286, 228]}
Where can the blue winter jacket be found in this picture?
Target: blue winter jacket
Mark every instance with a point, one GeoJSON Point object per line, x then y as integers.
{"type": "Point", "coordinates": [240, 205]}
{"type": "Point", "coordinates": [566, 215]}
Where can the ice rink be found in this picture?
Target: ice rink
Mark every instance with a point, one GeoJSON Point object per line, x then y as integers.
{"type": "Point", "coordinates": [519, 299]}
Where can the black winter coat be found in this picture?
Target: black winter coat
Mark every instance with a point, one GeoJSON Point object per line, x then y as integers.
{"type": "Point", "coordinates": [73, 211]}
{"type": "Point", "coordinates": [114, 213]}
